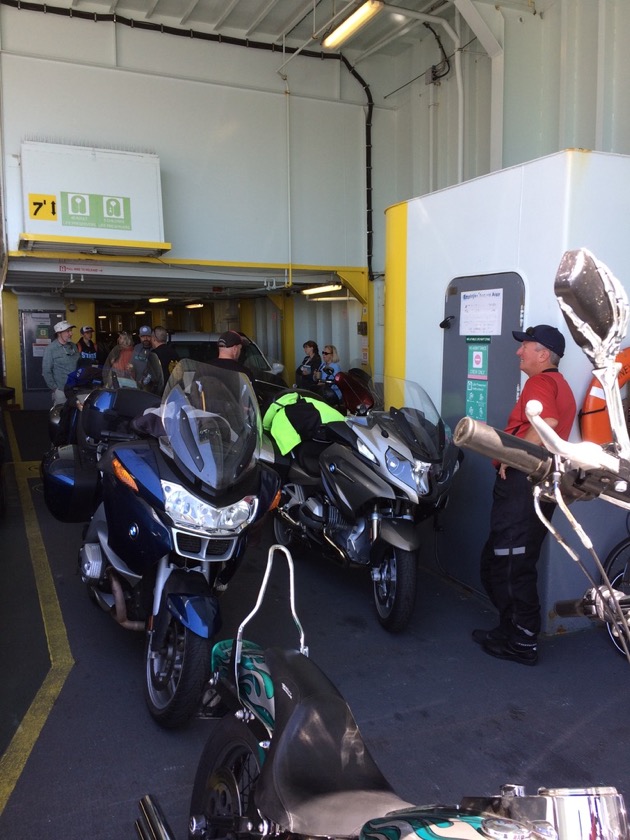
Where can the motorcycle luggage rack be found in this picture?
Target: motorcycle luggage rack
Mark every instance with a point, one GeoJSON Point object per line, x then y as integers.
{"type": "Point", "coordinates": [237, 649]}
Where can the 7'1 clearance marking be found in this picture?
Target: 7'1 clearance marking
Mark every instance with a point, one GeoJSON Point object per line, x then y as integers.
{"type": "Point", "coordinates": [42, 207]}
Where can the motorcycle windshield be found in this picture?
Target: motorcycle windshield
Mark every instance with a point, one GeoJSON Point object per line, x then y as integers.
{"type": "Point", "coordinates": [211, 422]}
{"type": "Point", "coordinates": [118, 370]}
{"type": "Point", "coordinates": [416, 419]}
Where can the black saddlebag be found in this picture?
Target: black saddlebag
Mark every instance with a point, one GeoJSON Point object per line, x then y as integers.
{"type": "Point", "coordinates": [71, 483]}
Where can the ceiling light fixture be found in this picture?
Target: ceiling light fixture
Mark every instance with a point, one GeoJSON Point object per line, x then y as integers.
{"type": "Point", "coordinates": [140, 312]}
{"type": "Point", "coordinates": [194, 306]}
{"type": "Point", "coordinates": [158, 300]}
{"type": "Point", "coordinates": [316, 290]}
{"type": "Point", "coordinates": [325, 299]}
{"type": "Point", "coordinates": [350, 25]}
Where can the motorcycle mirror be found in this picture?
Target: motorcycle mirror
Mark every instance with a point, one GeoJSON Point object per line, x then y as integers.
{"type": "Point", "coordinates": [594, 305]}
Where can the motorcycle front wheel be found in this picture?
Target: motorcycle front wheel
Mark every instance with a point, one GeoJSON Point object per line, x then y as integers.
{"type": "Point", "coordinates": [617, 568]}
{"type": "Point", "coordinates": [282, 531]}
{"type": "Point", "coordinates": [394, 577]}
{"type": "Point", "coordinates": [176, 674]}
{"type": "Point", "coordinates": [226, 778]}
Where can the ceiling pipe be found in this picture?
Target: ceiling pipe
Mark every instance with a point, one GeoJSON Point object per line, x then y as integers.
{"type": "Point", "coordinates": [425, 18]}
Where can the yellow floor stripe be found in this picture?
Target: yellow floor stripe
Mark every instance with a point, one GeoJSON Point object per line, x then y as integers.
{"type": "Point", "coordinates": [14, 759]}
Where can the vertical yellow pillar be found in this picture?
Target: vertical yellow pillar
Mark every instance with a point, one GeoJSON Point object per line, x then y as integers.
{"type": "Point", "coordinates": [395, 340]}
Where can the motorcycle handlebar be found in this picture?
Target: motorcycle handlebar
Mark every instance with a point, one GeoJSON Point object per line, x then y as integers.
{"type": "Point", "coordinates": [521, 454]}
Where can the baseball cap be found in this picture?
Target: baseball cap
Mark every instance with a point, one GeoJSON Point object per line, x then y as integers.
{"type": "Point", "coordinates": [145, 330]}
{"type": "Point", "coordinates": [86, 329]}
{"type": "Point", "coordinates": [231, 338]}
{"type": "Point", "coordinates": [549, 337]}
{"type": "Point", "coordinates": [61, 326]}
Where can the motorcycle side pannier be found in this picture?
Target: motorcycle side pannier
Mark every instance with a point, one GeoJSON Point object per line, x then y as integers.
{"type": "Point", "coordinates": [71, 484]}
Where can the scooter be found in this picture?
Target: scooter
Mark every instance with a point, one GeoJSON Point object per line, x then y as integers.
{"type": "Point", "coordinates": [595, 308]}
{"type": "Point", "coordinates": [177, 485]}
{"type": "Point", "coordinates": [285, 758]}
{"type": "Point", "coordinates": [359, 487]}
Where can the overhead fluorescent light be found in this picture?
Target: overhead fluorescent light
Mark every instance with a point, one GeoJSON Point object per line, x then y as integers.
{"type": "Point", "coordinates": [316, 290]}
{"type": "Point", "coordinates": [158, 300]}
{"type": "Point", "coordinates": [194, 306]}
{"type": "Point", "coordinates": [331, 297]}
{"type": "Point", "coordinates": [350, 25]}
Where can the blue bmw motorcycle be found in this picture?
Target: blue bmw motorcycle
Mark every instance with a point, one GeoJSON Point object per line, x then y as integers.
{"type": "Point", "coordinates": [174, 486]}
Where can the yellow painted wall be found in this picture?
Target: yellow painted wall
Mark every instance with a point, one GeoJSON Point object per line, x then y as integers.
{"type": "Point", "coordinates": [83, 315]}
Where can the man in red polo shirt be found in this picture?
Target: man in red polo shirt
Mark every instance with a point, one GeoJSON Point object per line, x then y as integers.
{"type": "Point", "coordinates": [510, 555]}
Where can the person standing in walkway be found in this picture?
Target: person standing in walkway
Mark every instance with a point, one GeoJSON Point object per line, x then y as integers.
{"type": "Point", "coordinates": [59, 361]}
{"type": "Point", "coordinates": [165, 351]}
{"type": "Point", "coordinates": [146, 365]}
{"type": "Point", "coordinates": [329, 368]}
{"type": "Point", "coordinates": [310, 363]}
{"type": "Point", "coordinates": [230, 346]}
{"type": "Point", "coordinates": [510, 555]}
{"type": "Point", "coordinates": [90, 352]}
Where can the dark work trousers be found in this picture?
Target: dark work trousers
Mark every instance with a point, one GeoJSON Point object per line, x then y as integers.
{"type": "Point", "coordinates": [510, 555]}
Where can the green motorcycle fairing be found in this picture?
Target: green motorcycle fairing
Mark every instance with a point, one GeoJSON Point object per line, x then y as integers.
{"type": "Point", "coordinates": [254, 679]}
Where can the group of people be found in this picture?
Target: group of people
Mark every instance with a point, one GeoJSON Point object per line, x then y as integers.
{"type": "Point", "coordinates": [315, 370]}
{"type": "Point", "coordinates": [146, 364]}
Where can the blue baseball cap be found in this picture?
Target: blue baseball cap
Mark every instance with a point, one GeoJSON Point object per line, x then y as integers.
{"type": "Point", "coordinates": [549, 337]}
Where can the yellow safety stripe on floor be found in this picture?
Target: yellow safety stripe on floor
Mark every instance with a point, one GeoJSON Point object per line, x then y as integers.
{"type": "Point", "coordinates": [61, 661]}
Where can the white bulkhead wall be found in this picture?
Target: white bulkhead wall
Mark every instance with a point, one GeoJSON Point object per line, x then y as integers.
{"type": "Point", "coordinates": [231, 141]}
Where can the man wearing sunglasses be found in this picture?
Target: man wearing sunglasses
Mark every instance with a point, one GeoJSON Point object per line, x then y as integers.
{"type": "Point", "coordinates": [510, 555]}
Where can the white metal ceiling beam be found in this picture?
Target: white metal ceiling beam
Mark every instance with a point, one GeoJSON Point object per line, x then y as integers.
{"type": "Point", "coordinates": [260, 16]}
{"type": "Point", "coordinates": [469, 11]}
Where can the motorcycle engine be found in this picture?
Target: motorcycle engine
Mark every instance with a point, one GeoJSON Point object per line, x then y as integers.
{"type": "Point", "coordinates": [352, 538]}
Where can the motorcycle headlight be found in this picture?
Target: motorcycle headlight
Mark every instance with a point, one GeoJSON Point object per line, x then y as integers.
{"type": "Point", "coordinates": [187, 511]}
{"type": "Point", "coordinates": [414, 474]}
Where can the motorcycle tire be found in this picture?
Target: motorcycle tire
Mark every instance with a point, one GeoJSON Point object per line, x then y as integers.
{"type": "Point", "coordinates": [176, 675]}
{"type": "Point", "coordinates": [226, 777]}
{"type": "Point", "coordinates": [616, 567]}
{"type": "Point", "coordinates": [395, 587]}
{"type": "Point", "coordinates": [283, 532]}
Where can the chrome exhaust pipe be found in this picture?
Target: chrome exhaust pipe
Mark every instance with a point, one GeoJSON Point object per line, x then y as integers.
{"type": "Point", "coordinates": [119, 610]}
{"type": "Point", "coordinates": [152, 824]}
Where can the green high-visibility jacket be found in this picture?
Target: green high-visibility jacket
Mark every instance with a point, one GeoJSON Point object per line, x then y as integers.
{"type": "Point", "coordinates": [282, 428]}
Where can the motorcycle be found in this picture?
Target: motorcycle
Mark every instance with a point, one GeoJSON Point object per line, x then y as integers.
{"type": "Point", "coordinates": [359, 487]}
{"type": "Point", "coordinates": [595, 307]}
{"type": "Point", "coordinates": [285, 758]}
{"type": "Point", "coordinates": [174, 486]}
{"type": "Point", "coordinates": [63, 418]}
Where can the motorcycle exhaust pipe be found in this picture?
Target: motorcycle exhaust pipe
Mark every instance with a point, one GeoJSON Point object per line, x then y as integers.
{"type": "Point", "coordinates": [119, 610]}
{"type": "Point", "coordinates": [152, 824]}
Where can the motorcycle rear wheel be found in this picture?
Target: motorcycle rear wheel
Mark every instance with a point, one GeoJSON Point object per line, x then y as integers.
{"type": "Point", "coordinates": [395, 587]}
{"type": "Point", "coordinates": [226, 776]}
{"type": "Point", "coordinates": [176, 675]}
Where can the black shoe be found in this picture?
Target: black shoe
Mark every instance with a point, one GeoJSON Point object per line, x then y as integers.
{"type": "Point", "coordinates": [525, 653]}
{"type": "Point", "coordinates": [496, 634]}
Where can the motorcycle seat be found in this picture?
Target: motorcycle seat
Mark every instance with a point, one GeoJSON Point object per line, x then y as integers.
{"type": "Point", "coordinates": [319, 777]}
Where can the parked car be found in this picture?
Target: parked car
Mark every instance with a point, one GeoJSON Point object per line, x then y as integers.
{"type": "Point", "coordinates": [203, 347]}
